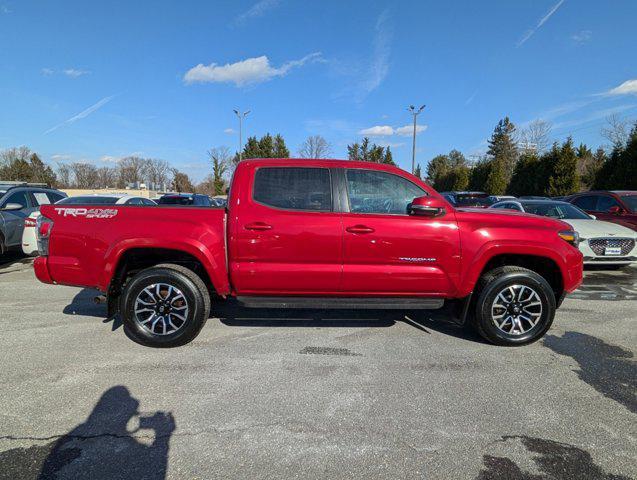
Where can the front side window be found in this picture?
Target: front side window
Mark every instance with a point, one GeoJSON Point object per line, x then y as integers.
{"type": "Point", "coordinates": [371, 191]}
{"type": "Point", "coordinates": [18, 197]}
{"type": "Point", "coordinates": [293, 188]}
{"type": "Point", "coordinates": [630, 201]}
{"type": "Point", "coordinates": [605, 203]}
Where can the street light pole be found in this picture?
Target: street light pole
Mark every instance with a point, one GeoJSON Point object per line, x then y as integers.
{"type": "Point", "coordinates": [415, 113]}
{"type": "Point", "coordinates": [241, 116]}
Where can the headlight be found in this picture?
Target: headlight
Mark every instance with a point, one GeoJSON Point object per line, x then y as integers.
{"type": "Point", "coordinates": [570, 236]}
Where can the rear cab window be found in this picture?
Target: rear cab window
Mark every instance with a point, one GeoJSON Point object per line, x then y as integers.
{"type": "Point", "coordinates": [293, 188]}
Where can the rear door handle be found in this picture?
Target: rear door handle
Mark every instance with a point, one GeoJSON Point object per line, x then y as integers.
{"type": "Point", "coordinates": [260, 226]}
{"type": "Point", "coordinates": [360, 229]}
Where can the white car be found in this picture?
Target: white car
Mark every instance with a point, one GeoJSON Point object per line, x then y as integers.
{"type": "Point", "coordinates": [29, 240]}
{"type": "Point", "coordinates": [601, 243]}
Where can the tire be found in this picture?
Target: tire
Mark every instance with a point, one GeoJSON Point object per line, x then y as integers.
{"type": "Point", "coordinates": [172, 304]}
{"type": "Point", "coordinates": [522, 314]}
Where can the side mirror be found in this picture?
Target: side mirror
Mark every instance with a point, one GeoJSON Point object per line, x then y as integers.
{"type": "Point", "coordinates": [427, 207]}
{"type": "Point", "coordinates": [615, 210]}
{"type": "Point", "coordinates": [12, 207]}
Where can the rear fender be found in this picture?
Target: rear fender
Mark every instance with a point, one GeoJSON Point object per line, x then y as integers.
{"type": "Point", "coordinates": [213, 260]}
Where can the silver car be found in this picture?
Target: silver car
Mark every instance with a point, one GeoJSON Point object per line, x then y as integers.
{"type": "Point", "coordinates": [17, 202]}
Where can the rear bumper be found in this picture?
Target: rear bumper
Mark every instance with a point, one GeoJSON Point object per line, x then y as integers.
{"type": "Point", "coordinates": [41, 268]}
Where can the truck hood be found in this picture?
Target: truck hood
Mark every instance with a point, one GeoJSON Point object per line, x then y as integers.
{"type": "Point", "coordinates": [597, 228]}
{"type": "Point", "coordinates": [510, 217]}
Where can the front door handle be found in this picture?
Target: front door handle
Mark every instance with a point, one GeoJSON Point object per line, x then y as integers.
{"type": "Point", "coordinates": [360, 229]}
{"type": "Point", "coordinates": [259, 226]}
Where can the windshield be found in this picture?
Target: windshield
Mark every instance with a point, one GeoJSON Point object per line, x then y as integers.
{"type": "Point", "coordinates": [176, 200]}
{"type": "Point", "coordinates": [89, 201]}
{"type": "Point", "coordinates": [629, 200]}
{"type": "Point", "coordinates": [468, 201]}
{"type": "Point", "coordinates": [556, 210]}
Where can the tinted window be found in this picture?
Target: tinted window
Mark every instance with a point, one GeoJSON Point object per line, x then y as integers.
{"type": "Point", "coordinates": [630, 201]}
{"type": "Point", "coordinates": [18, 197]}
{"type": "Point", "coordinates": [89, 201]}
{"type": "Point", "coordinates": [148, 202]}
{"type": "Point", "coordinates": [586, 202]}
{"type": "Point", "coordinates": [294, 188]}
{"type": "Point", "coordinates": [556, 210]}
{"type": "Point", "coordinates": [55, 197]}
{"type": "Point", "coordinates": [605, 203]}
{"type": "Point", "coordinates": [371, 191]}
{"type": "Point", "coordinates": [202, 200]}
{"type": "Point", "coordinates": [470, 201]}
{"type": "Point", "coordinates": [134, 201]}
{"type": "Point", "coordinates": [175, 200]}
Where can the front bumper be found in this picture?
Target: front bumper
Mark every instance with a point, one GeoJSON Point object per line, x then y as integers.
{"type": "Point", "coordinates": [41, 268]}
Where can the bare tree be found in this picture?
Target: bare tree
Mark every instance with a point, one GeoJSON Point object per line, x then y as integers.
{"type": "Point", "coordinates": [315, 146]}
{"type": "Point", "coordinates": [616, 130]}
{"type": "Point", "coordinates": [12, 154]}
{"type": "Point", "coordinates": [157, 173]}
{"type": "Point", "coordinates": [535, 137]}
{"type": "Point", "coordinates": [85, 174]}
{"type": "Point", "coordinates": [107, 177]}
{"type": "Point", "coordinates": [131, 171]}
{"type": "Point", "coordinates": [64, 174]}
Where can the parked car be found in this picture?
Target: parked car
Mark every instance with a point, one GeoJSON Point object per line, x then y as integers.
{"type": "Point", "coordinates": [533, 197]}
{"type": "Point", "coordinates": [619, 206]}
{"type": "Point", "coordinates": [17, 201]}
{"type": "Point", "coordinates": [108, 199]}
{"type": "Point", "coordinates": [468, 199]}
{"type": "Point", "coordinates": [601, 243]}
{"type": "Point", "coordinates": [186, 199]}
{"type": "Point", "coordinates": [319, 234]}
{"type": "Point", "coordinates": [499, 198]}
{"type": "Point", "coordinates": [219, 201]}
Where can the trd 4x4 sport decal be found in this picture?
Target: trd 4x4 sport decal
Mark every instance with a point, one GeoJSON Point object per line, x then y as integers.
{"type": "Point", "coordinates": [87, 212]}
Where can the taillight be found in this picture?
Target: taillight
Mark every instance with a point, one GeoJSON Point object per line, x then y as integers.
{"type": "Point", "coordinates": [43, 227]}
{"type": "Point", "coordinates": [29, 222]}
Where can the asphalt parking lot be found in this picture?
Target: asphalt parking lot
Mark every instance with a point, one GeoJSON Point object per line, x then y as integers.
{"type": "Point", "coordinates": [316, 394]}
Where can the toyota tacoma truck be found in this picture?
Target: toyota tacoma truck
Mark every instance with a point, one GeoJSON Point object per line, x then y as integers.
{"type": "Point", "coordinates": [314, 234]}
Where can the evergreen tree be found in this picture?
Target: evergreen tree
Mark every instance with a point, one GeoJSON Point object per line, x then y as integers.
{"type": "Point", "coordinates": [388, 158]}
{"type": "Point", "coordinates": [40, 172]}
{"type": "Point", "coordinates": [496, 182]}
{"type": "Point", "coordinates": [418, 173]}
{"type": "Point", "coordinates": [457, 159]}
{"type": "Point", "coordinates": [503, 148]}
{"type": "Point", "coordinates": [252, 148]}
{"type": "Point", "coordinates": [437, 168]}
{"type": "Point", "coordinates": [182, 182]}
{"type": "Point", "coordinates": [526, 178]}
{"type": "Point", "coordinates": [479, 175]}
{"type": "Point", "coordinates": [354, 151]}
{"type": "Point", "coordinates": [563, 179]}
{"type": "Point", "coordinates": [364, 150]}
{"type": "Point", "coordinates": [280, 149]}
{"type": "Point", "coordinates": [626, 175]}
{"type": "Point", "coordinates": [266, 146]}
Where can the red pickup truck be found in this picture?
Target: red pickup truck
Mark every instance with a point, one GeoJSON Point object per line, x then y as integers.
{"type": "Point", "coordinates": [314, 234]}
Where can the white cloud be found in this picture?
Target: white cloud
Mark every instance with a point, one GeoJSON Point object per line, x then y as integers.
{"type": "Point", "coordinates": [82, 114]}
{"type": "Point", "coordinates": [60, 157]}
{"type": "Point", "coordinates": [245, 72]}
{"type": "Point", "coordinates": [377, 131]}
{"type": "Point", "coordinates": [47, 71]}
{"type": "Point", "coordinates": [257, 10]}
{"type": "Point", "coordinates": [582, 36]}
{"type": "Point", "coordinates": [626, 88]}
{"type": "Point", "coordinates": [529, 33]}
{"type": "Point", "coordinates": [74, 72]}
{"type": "Point", "coordinates": [229, 131]}
{"type": "Point", "coordinates": [408, 130]}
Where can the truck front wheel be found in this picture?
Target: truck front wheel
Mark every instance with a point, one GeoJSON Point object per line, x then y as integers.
{"type": "Point", "coordinates": [515, 306]}
{"type": "Point", "coordinates": [165, 306]}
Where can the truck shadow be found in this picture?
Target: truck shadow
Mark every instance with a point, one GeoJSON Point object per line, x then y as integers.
{"type": "Point", "coordinates": [83, 304]}
{"type": "Point", "coordinates": [232, 314]}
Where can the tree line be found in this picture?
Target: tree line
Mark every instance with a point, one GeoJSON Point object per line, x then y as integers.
{"type": "Point", "coordinates": [523, 163]}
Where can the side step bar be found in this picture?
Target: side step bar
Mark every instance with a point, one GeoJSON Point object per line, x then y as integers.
{"type": "Point", "coordinates": [390, 303]}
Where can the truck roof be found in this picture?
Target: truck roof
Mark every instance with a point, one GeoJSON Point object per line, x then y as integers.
{"type": "Point", "coordinates": [318, 162]}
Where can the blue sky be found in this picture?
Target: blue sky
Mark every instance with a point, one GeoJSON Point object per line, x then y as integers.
{"type": "Point", "coordinates": [95, 81]}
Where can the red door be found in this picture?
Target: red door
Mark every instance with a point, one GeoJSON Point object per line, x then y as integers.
{"type": "Point", "coordinates": [388, 252]}
{"type": "Point", "coordinates": [287, 239]}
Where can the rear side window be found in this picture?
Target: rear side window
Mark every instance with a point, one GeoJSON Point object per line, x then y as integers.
{"type": "Point", "coordinates": [294, 188]}
{"type": "Point", "coordinates": [587, 202]}
{"type": "Point", "coordinates": [89, 201]}
{"type": "Point", "coordinates": [54, 197]}
{"type": "Point", "coordinates": [18, 197]}
{"type": "Point", "coordinates": [176, 200]}
{"type": "Point", "coordinates": [372, 191]}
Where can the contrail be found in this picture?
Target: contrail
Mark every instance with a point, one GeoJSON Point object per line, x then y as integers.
{"type": "Point", "coordinates": [82, 114]}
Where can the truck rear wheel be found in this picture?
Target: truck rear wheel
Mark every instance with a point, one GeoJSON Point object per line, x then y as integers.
{"type": "Point", "coordinates": [165, 306]}
{"type": "Point", "coordinates": [515, 306]}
